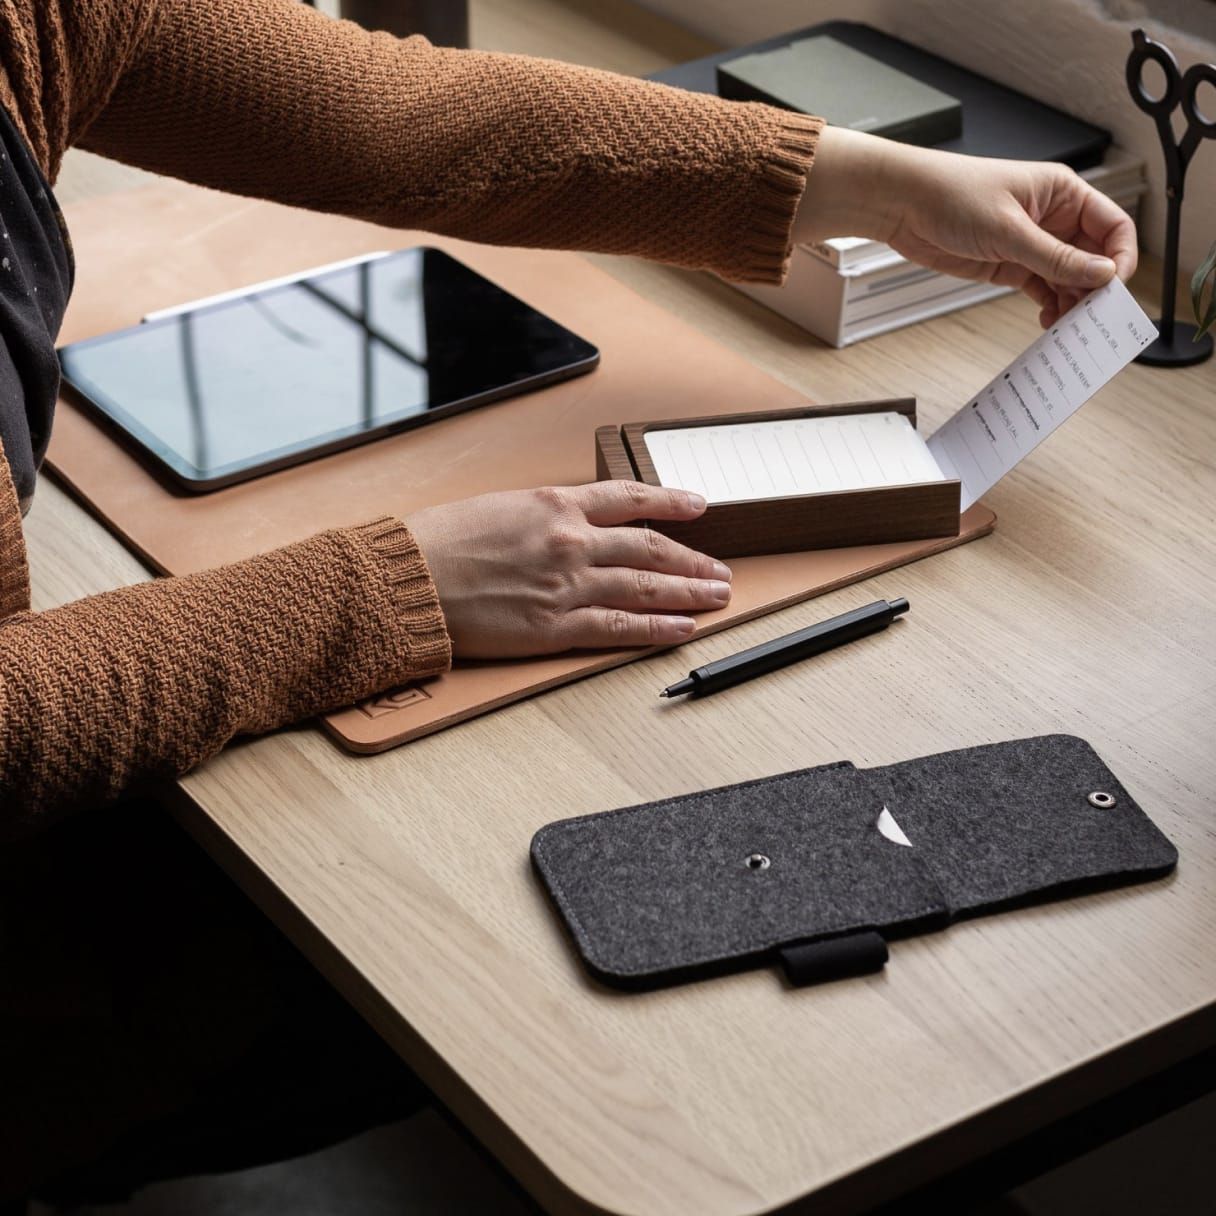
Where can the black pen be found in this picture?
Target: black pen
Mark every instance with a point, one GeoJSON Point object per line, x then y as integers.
{"type": "Point", "coordinates": [768, 656]}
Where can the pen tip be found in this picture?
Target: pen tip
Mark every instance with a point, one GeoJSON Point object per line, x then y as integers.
{"type": "Point", "coordinates": [663, 693]}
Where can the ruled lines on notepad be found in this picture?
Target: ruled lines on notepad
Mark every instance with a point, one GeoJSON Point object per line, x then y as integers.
{"type": "Point", "coordinates": [756, 460]}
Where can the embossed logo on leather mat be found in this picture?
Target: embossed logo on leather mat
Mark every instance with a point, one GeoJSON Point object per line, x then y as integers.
{"type": "Point", "coordinates": [390, 702]}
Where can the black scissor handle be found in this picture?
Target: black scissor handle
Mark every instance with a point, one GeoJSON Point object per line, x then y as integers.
{"type": "Point", "coordinates": [1196, 75]}
{"type": "Point", "coordinates": [1143, 50]}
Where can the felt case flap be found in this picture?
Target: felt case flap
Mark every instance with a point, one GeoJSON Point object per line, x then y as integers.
{"type": "Point", "coordinates": [702, 882]}
{"type": "Point", "coordinates": [1002, 822]}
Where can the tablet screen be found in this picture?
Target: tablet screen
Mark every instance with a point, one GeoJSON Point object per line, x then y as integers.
{"type": "Point", "coordinates": [285, 372]}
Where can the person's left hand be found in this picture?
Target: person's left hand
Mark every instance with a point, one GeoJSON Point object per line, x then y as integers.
{"type": "Point", "coordinates": [1032, 225]}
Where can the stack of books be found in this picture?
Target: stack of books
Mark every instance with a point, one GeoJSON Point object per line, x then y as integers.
{"type": "Point", "coordinates": [849, 288]}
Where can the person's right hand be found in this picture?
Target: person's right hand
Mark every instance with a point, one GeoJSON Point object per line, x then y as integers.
{"type": "Point", "coordinates": [1032, 225]}
{"type": "Point", "coordinates": [540, 571]}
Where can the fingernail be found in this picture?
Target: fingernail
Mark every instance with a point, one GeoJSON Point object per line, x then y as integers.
{"type": "Point", "coordinates": [682, 625]}
{"type": "Point", "coordinates": [722, 572]}
{"type": "Point", "coordinates": [695, 501]}
{"type": "Point", "coordinates": [1100, 268]}
{"type": "Point", "coordinates": [718, 591]}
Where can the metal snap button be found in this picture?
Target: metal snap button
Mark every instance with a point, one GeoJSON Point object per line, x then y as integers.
{"type": "Point", "coordinates": [757, 861]}
{"type": "Point", "coordinates": [1101, 799]}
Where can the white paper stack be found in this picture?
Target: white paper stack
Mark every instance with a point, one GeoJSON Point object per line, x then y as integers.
{"type": "Point", "coordinates": [850, 288]}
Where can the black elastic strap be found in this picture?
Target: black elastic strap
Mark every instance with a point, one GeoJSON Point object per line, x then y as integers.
{"type": "Point", "coordinates": [834, 958]}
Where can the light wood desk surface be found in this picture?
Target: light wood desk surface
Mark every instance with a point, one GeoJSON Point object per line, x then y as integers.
{"type": "Point", "coordinates": [406, 877]}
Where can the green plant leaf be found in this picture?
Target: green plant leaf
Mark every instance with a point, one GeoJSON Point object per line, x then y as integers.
{"type": "Point", "coordinates": [1203, 319]}
{"type": "Point", "coordinates": [1207, 320]}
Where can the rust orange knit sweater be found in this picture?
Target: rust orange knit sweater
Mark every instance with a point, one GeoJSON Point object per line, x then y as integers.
{"type": "Point", "coordinates": [270, 98]}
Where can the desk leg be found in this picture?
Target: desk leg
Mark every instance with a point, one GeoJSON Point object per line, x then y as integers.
{"type": "Point", "coordinates": [444, 22]}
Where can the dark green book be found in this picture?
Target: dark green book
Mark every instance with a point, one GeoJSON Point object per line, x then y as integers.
{"type": "Point", "coordinates": [823, 76]}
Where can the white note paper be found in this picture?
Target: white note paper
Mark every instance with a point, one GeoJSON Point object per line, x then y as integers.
{"type": "Point", "coordinates": [988, 436]}
{"type": "Point", "coordinates": [1040, 389]}
{"type": "Point", "coordinates": [751, 460]}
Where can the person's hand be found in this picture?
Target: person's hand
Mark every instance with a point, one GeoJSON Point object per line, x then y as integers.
{"type": "Point", "coordinates": [540, 571]}
{"type": "Point", "coordinates": [1031, 225]}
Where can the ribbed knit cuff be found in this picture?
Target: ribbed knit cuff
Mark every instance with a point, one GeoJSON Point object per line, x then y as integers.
{"type": "Point", "coordinates": [411, 591]}
{"type": "Point", "coordinates": [783, 173]}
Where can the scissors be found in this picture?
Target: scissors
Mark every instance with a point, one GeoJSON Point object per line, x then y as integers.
{"type": "Point", "coordinates": [1169, 350]}
{"type": "Point", "coordinates": [1178, 88]}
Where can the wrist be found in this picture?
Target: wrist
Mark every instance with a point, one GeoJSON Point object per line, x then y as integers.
{"type": "Point", "coordinates": [409, 596]}
{"type": "Point", "coordinates": [849, 190]}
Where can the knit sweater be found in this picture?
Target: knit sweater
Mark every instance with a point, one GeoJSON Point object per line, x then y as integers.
{"type": "Point", "coordinates": [271, 99]}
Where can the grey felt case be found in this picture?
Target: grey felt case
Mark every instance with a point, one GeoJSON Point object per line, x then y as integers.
{"type": "Point", "coordinates": [794, 867]}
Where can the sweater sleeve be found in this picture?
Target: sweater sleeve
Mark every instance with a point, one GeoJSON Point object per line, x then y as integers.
{"type": "Point", "coordinates": [272, 99]}
{"type": "Point", "coordinates": [148, 681]}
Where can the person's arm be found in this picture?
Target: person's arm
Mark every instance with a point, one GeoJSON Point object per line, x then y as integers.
{"type": "Point", "coordinates": [266, 97]}
{"type": "Point", "coordinates": [147, 681]}
{"type": "Point", "coordinates": [1033, 225]}
{"type": "Point", "coordinates": [271, 98]}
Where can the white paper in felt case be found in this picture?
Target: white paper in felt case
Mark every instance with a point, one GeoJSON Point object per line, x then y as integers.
{"type": "Point", "coordinates": [984, 440]}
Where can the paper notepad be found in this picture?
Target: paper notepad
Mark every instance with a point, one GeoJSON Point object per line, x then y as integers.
{"type": "Point", "coordinates": [997, 428]}
{"type": "Point", "coordinates": [750, 460]}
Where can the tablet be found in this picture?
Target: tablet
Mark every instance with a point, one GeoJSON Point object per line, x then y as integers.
{"type": "Point", "coordinates": [280, 373]}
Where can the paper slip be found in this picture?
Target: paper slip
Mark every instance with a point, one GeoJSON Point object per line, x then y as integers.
{"type": "Point", "coordinates": [751, 460]}
{"type": "Point", "coordinates": [1003, 423]}
{"type": "Point", "coordinates": [1040, 389]}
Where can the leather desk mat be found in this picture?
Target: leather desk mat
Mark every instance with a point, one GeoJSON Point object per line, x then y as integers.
{"type": "Point", "coordinates": [167, 244]}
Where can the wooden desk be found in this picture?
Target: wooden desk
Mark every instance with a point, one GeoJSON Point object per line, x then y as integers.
{"type": "Point", "coordinates": [405, 876]}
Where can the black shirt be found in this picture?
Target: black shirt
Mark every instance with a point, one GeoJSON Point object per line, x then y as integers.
{"type": "Point", "coordinates": [36, 272]}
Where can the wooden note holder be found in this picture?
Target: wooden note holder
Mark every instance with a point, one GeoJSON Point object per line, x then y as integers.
{"type": "Point", "coordinates": [829, 520]}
